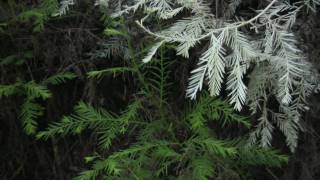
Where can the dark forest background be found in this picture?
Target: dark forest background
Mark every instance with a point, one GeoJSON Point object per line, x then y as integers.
{"type": "Point", "coordinates": [30, 52]}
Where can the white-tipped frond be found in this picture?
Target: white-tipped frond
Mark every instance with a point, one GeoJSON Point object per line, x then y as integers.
{"type": "Point", "coordinates": [215, 57]}
{"type": "Point", "coordinates": [312, 4]}
{"type": "Point", "coordinates": [152, 52]}
{"type": "Point", "coordinates": [196, 80]}
{"type": "Point", "coordinates": [102, 3]}
{"type": "Point", "coordinates": [64, 7]}
{"type": "Point", "coordinates": [243, 52]}
{"type": "Point", "coordinates": [288, 122]}
{"type": "Point", "coordinates": [137, 4]}
{"type": "Point", "coordinates": [212, 67]}
{"type": "Point", "coordinates": [288, 62]}
{"type": "Point", "coordinates": [262, 134]}
{"type": "Point", "coordinates": [235, 84]}
{"type": "Point", "coordinates": [279, 68]}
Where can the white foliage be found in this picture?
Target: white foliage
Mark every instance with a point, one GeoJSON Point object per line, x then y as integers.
{"type": "Point", "coordinates": [196, 80]}
{"type": "Point", "coordinates": [163, 8]}
{"type": "Point", "coordinates": [152, 52]}
{"type": "Point", "coordinates": [235, 85]}
{"type": "Point", "coordinates": [64, 7]}
{"type": "Point", "coordinates": [288, 122]}
{"type": "Point", "coordinates": [102, 3]}
{"type": "Point", "coordinates": [127, 9]}
{"type": "Point", "coordinates": [279, 67]}
{"type": "Point", "coordinates": [212, 66]}
{"type": "Point", "coordinates": [263, 131]}
{"type": "Point", "coordinates": [288, 62]}
{"type": "Point", "coordinates": [239, 59]}
{"type": "Point", "coordinates": [187, 30]}
{"type": "Point", "coordinates": [312, 4]}
{"type": "Point", "coordinates": [183, 47]}
{"type": "Point", "coordinates": [232, 7]}
{"type": "Point", "coordinates": [258, 85]}
{"type": "Point", "coordinates": [214, 57]}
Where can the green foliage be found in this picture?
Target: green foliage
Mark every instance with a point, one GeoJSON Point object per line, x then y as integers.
{"type": "Point", "coordinates": [115, 71]}
{"type": "Point", "coordinates": [85, 117]}
{"type": "Point", "coordinates": [39, 15]}
{"type": "Point", "coordinates": [264, 41]}
{"type": "Point", "coordinates": [107, 125]}
{"type": "Point", "coordinates": [213, 109]}
{"type": "Point", "coordinates": [32, 108]}
{"type": "Point", "coordinates": [158, 135]}
{"type": "Point", "coordinates": [7, 90]}
{"type": "Point", "coordinates": [113, 32]}
{"type": "Point", "coordinates": [34, 90]}
{"type": "Point", "coordinates": [16, 60]}
{"type": "Point", "coordinates": [157, 76]}
{"type": "Point", "coordinates": [203, 168]}
{"type": "Point", "coordinates": [157, 148]}
{"type": "Point", "coordinates": [195, 153]}
{"type": "Point", "coordinates": [260, 156]}
{"type": "Point", "coordinates": [30, 111]}
{"type": "Point", "coordinates": [39, 19]}
{"type": "Point", "coordinates": [59, 78]}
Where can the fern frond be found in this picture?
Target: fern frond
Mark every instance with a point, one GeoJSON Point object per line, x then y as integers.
{"type": "Point", "coordinates": [85, 116]}
{"type": "Point", "coordinates": [196, 80]}
{"type": "Point", "coordinates": [108, 165]}
{"type": "Point", "coordinates": [112, 165]}
{"type": "Point", "coordinates": [158, 73]}
{"type": "Point", "coordinates": [35, 90]}
{"type": "Point", "coordinates": [203, 168]}
{"type": "Point", "coordinates": [288, 122]}
{"type": "Point", "coordinates": [113, 47]}
{"type": "Point", "coordinates": [133, 150]}
{"type": "Point", "coordinates": [110, 71]}
{"type": "Point", "coordinates": [215, 146]}
{"type": "Point", "coordinates": [30, 112]}
{"type": "Point", "coordinates": [214, 56]}
{"type": "Point", "coordinates": [264, 130]}
{"type": "Point", "coordinates": [240, 59]}
{"type": "Point", "coordinates": [257, 89]}
{"type": "Point", "coordinates": [260, 156]}
{"type": "Point", "coordinates": [197, 117]}
{"type": "Point", "coordinates": [137, 4]}
{"type": "Point", "coordinates": [88, 174]}
{"type": "Point", "coordinates": [187, 30]}
{"type": "Point", "coordinates": [236, 86]}
{"type": "Point", "coordinates": [223, 110]}
{"type": "Point", "coordinates": [64, 7]}
{"type": "Point", "coordinates": [183, 47]}
{"type": "Point", "coordinates": [64, 127]}
{"type": "Point", "coordinates": [164, 152]}
{"type": "Point", "coordinates": [59, 78]}
{"type": "Point", "coordinates": [163, 9]}
{"type": "Point", "coordinates": [7, 90]}
{"type": "Point", "coordinates": [208, 108]}
{"type": "Point", "coordinates": [109, 131]}
{"type": "Point", "coordinates": [152, 52]}
{"type": "Point", "coordinates": [288, 65]}
{"type": "Point", "coordinates": [212, 66]}
{"type": "Point", "coordinates": [131, 113]}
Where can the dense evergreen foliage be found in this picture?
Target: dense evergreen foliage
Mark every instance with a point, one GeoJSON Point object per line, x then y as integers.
{"type": "Point", "coordinates": [114, 89]}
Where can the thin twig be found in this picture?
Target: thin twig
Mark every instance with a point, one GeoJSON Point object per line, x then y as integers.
{"type": "Point", "coordinates": [231, 26]}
